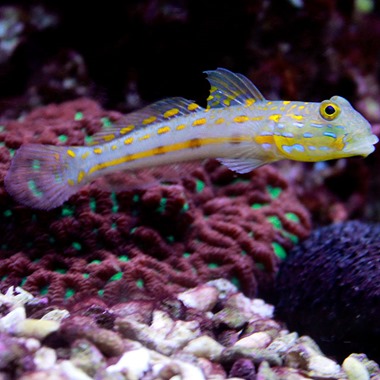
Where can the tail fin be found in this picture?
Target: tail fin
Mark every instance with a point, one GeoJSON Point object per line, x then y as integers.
{"type": "Point", "coordinates": [38, 177]}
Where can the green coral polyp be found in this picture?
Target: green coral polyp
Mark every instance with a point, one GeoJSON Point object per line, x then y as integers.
{"type": "Point", "coordinates": [116, 277]}
{"type": "Point", "coordinates": [76, 245]}
{"type": "Point", "coordinates": [279, 251]}
{"type": "Point", "coordinates": [199, 186]}
{"type": "Point", "coordinates": [67, 211]}
{"type": "Point", "coordinates": [292, 217]}
{"type": "Point", "coordinates": [7, 213]}
{"type": "Point", "coordinates": [258, 206]}
{"type": "Point", "coordinates": [44, 290]}
{"type": "Point", "coordinates": [93, 204]}
{"type": "Point", "coordinates": [161, 208]}
{"type": "Point", "coordinates": [106, 122]}
{"type": "Point", "coordinates": [62, 138]}
{"type": "Point", "coordinates": [69, 293]}
{"type": "Point", "coordinates": [274, 192]}
{"type": "Point", "coordinates": [124, 258]}
{"type": "Point", "coordinates": [78, 116]}
{"type": "Point", "coordinates": [115, 203]}
{"type": "Point", "coordinates": [275, 221]}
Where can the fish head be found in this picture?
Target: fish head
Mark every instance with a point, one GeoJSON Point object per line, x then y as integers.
{"type": "Point", "coordinates": [358, 137]}
{"type": "Point", "coordinates": [327, 130]}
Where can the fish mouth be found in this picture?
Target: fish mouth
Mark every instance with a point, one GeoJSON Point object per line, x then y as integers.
{"type": "Point", "coordinates": [364, 148]}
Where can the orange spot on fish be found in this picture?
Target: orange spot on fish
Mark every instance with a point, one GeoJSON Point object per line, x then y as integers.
{"type": "Point", "coordinates": [295, 117]}
{"type": "Point", "coordinates": [128, 141]}
{"type": "Point", "coordinates": [180, 127]}
{"type": "Point", "coordinates": [145, 137]}
{"type": "Point", "coordinates": [339, 144]}
{"type": "Point", "coordinates": [275, 117]}
{"type": "Point", "coordinates": [249, 102]}
{"type": "Point", "coordinates": [149, 120]}
{"type": "Point", "coordinates": [80, 176]}
{"type": "Point", "coordinates": [199, 122]}
{"type": "Point", "coordinates": [221, 120]}
{"type": "Point", "coordinates": [241, 119]}
{"type": "Point", "coordinates": [192, 106]}
{"type": "Point", "coordinates": [71, 153]}
{"type": "Point", "coordinates": [109, 137]}
{"type": "Point", "coordinates": [98, 150]}
{"type": "Point", "coordinates": [126, 129]}
{"type": "Point", "coordinates": [171, 112]}
{"type": "Point", "coordinates": [163, 130]}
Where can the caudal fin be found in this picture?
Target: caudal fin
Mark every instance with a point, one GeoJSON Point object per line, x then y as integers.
{"type": "Point", "coordinates": [38, 177]}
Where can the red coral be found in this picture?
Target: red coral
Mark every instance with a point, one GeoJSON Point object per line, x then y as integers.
{"type": "Point", "coordinates": [145, 242]}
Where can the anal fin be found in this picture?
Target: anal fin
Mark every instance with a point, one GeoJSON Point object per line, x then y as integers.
{"type": "Point", "coordinates": [241, 165]}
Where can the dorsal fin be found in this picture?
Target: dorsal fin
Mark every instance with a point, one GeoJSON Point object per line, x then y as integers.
{"type": "Point", "coordinates": [161, 111]}
{"type": "Point", "coordinates": [230, 89]}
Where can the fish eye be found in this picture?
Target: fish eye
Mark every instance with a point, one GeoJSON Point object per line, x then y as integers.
{"type": "Point", "coordinates": [329, 110]}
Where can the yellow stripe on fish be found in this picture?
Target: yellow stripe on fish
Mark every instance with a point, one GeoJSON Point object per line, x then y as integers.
{"type": "Point", "coordinates": [239, 127]}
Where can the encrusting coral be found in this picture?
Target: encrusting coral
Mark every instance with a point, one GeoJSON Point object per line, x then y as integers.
{"type": "Point", "coordinates": [329, 288]}
{"type": "Point", "coordinates": [158, 240]}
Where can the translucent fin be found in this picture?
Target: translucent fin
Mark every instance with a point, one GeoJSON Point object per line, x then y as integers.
{"type": "Point", "coordinates": [241, 165]}
{"type": "Point", "coordinates": [36, 177]}
{"type": "Point", "coordinates": [248, 157]}
{"type": "Point", "coordinates": [230, 89]}
{"type": "Point", "coordinates": [160, 111]}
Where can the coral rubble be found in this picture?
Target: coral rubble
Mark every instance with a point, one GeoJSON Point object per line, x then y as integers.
{"type": "Point", "coordinates": [159, 345]}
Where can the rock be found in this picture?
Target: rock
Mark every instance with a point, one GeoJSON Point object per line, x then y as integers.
{"type": "Point", "coordinates": [354, 369]}
{"type": "Point", "coordinates": [202, 297]}
{"type": "Point", "coordinates": [135, 363]}
{"type": "Point", "coordinates": [205, 347]}
{"type": "Point", "coordinates": [257, 340]}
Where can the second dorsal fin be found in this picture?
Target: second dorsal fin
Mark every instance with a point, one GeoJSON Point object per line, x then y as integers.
{"type": "Point", "coordinates": [160, 111]}
{"type": "Point", "coordinates": [230, 89]}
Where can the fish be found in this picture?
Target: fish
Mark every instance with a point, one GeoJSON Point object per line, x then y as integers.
{"type": "Point", "coordinates": [239, 127]}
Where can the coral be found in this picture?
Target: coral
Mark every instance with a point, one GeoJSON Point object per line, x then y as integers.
{"type": "Point", "coordinates": [329, 288]}
{"type": "Point", "coordinates": [154, 241]}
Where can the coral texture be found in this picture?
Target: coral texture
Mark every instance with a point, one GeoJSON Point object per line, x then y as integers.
{"type": "Point", "coordinates": [329, 288]}
{"type": "Point", "coordinates": [155, 240]}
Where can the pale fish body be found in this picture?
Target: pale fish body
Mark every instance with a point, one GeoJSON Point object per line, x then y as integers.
{"type": "Point", "coordinates": [239, 127]}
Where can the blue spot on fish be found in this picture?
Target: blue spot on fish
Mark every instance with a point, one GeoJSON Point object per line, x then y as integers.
{"type": "Point", "coordinates": [290, 148]}
{"type": "Point", "coordinates": [266, 146]}
{"type": "Point", "coordinates": [308, 135]}
{"type": "Point", "coordinates": [330, 134]}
